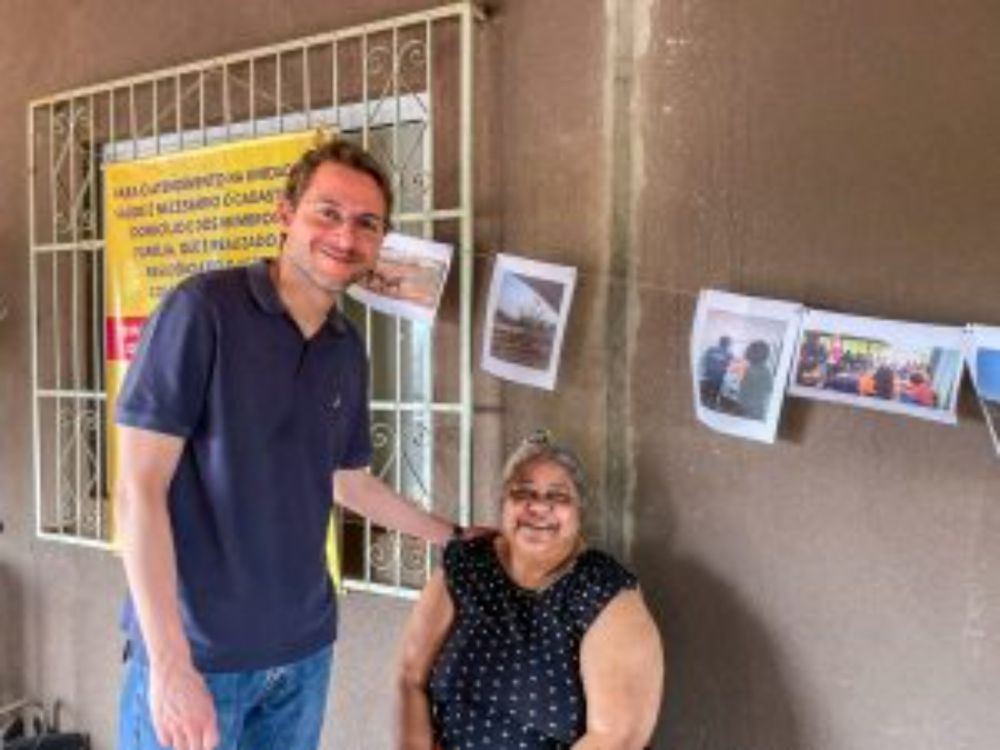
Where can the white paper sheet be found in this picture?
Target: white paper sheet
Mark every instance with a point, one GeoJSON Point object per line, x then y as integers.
{"type": "Point", "coordinates": [886, 365]}
{"type": "Point", "coordinates": [526, 316]}
{"type": "Point", "coordinates": [408, 278]}
{"type": "Point", "coordinates": [741, 350]}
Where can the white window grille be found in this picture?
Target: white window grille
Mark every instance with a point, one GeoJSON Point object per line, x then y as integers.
{"type": "Point", "coordinates": [403, 87]}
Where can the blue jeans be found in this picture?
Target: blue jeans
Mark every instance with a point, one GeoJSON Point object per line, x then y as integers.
{"type": "Point", "coordinates": [269, 709]}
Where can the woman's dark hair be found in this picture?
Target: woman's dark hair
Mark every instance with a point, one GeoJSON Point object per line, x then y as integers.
{"type": "Point", "coordinates": [885, 382]}
{"type": "Point", "coordinates": [757, 352]}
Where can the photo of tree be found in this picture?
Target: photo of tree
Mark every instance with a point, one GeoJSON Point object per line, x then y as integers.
{"type": "Point", "coordinates": [408, 278]}
{"type": "Point", "coordinates": [526, 317]}
{"type": "Point", "coordinates": [526, 320]}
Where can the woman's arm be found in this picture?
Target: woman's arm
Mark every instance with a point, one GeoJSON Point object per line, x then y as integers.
{"type": "Point", "coordinates": [423, 637]}
{"type": "Point", "coordinates": [621, 662]}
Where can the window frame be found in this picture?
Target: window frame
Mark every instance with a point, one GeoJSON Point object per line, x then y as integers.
{"type": "Point", "coordinates": [67, 245]}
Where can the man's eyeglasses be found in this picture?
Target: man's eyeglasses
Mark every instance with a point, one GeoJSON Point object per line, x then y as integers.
{"type": "Point", "coordinates": [553, 497]}
{"type": "Point", "coordinates": [368, 227]}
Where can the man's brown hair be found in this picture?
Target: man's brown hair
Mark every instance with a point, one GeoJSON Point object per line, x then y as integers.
{"type": "Point", "coordinates": [336, 150]}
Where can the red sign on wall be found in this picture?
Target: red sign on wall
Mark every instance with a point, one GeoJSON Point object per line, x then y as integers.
{"type": "Point", "coordinates": [122, 336]}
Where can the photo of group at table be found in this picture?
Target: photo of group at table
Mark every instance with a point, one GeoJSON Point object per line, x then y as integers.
{"type": "Point", "coordinates": [879, 364]}
{"type": "Point", "coordinates": [871, 368]}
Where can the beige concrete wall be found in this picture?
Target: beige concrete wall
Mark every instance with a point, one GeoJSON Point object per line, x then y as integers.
{"type": "Point", "coordinates": [839, 589]}
{"type": "Point", "coordinates": [836, 590]}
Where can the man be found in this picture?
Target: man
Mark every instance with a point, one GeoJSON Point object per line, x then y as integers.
{"type": "Point", "coordinates": [245, 407]}
{"type": "Point", "coordinates": [714, 365]}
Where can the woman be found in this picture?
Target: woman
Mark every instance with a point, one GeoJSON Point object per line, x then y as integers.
{"type": "Point", "coordinates": [757, 382]}
{"type": "Point", "coordinates": [527, 639]}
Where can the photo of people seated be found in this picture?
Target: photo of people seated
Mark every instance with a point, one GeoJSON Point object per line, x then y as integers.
{"type": "Point", "coordinates": [737, 378]}
{"type": "Point", "coordinates": [869, 368]}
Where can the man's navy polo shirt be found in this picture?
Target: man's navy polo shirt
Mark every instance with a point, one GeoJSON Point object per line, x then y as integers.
{"type": "Point", "coordinates": [267, 417]}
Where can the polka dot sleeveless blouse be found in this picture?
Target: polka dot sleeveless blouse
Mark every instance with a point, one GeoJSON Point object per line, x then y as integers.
{"type": "Point", "coordinates": [508, 675]}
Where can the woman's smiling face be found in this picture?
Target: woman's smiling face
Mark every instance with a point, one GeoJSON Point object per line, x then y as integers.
{"type": "Point", "coordinates": [541, 509]}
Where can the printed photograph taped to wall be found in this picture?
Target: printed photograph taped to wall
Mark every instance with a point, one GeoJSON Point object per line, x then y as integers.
{"type": "Point", "coordinates": [904, 368]}
{"type": "Point", "coordinates": [991, 411]}
{"type": "Point", "coordinates": [746, 351]}
{"type": "Point", "coordinates": [983, 352]}
{"type": "Point", "coordinates": [408, 278]}
{"type": "Point", "coordinates": [988, 381]}
{"type": "Point", "coordinates": [740, 353]}
{"type": "Point", "coordinates": [526, 318]}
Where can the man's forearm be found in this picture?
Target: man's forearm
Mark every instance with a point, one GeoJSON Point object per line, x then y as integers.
{"type": "Point", "coordinates": [181, 707]}
{"type": "Point", "coordinates": [359, 491]}
{"type": "Point", "coordinates": [147, 461]}
{"type": "Point", "coordinates": [148, 554]}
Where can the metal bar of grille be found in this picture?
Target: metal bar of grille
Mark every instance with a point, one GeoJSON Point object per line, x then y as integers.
{"type": "Point", "coordinates": [93, 381]}
{"type": "Point", "coordinates": [372, 587]}
{"type": "Point", "coordinates": [58, 247]}
{"type": "Point", "coordinates": [428, 230]}
{"type": "Point", "coordinates": [227, 114]}
{"type": "Point", "coordinates": [156, 118]}
{"type": "Point", "coordinates": [398, 449]}
{"type": "Point", "coordinates": [278, 90]}
{"type": "Point", "coordinates": [306, 99]}
{"type": "Point", "coordinates": [365, 134]}
{"type": "Point", "coordinates": [57, 393]}
{"type": "Point", "coordinates": [178, 112]}
{"type": "Point", "coordinates": [429, 130]}
{"type": "Point", "coordinates": [396, 67]}
{"type": "Point", "coordinates": [397, 328]}
{"type": "Point", "coordinates": [466, 251]}
{"type": "Point", "coordinates": [133, 126]}
{"type": "Point", "coordinates": [78, 541]}
{"type": "Point", "coordinates": [33, 274]}
{"type": "Point", "coordinates": [252, 76]}
{"type": "Point", "coordinates": [74, 224]}
{"type": "Point", "coordinates": [112, 123]}
{"type": "Point", "coordinates": [368, 312]}
{"type": "Point", "coordinates": [335, 80]}
{"type": "Point", "coordinates": [201, 106]}
{"type": "Point", "coordinates": [54, 306]}
{"type": "Point", "coordinates": [54, 209]}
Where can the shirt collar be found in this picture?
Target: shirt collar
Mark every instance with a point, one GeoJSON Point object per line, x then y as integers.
{"type": "Point", "coordinates": [266, 296]}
